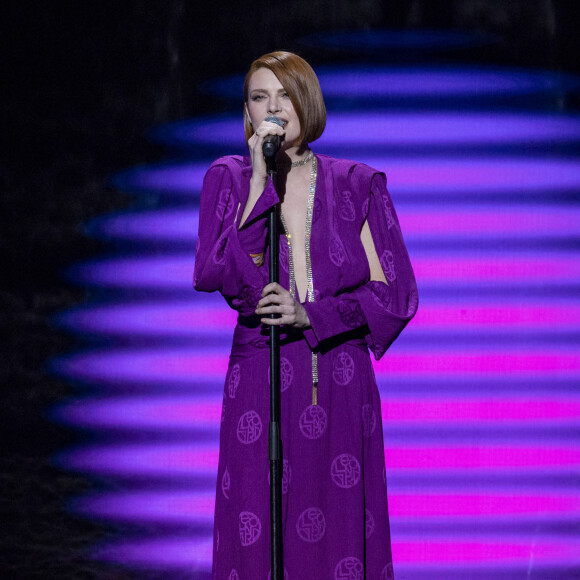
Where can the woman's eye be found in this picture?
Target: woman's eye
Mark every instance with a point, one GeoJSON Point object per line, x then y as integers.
{"type": "Point", "coordinates": [257, 98]}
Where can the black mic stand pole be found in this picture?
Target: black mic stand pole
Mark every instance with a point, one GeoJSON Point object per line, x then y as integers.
{"type": "Point", "coordinates": [274, 438]}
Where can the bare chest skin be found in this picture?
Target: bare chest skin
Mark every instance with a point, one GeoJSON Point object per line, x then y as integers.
{"type": "Point", "coordinates": [294, 204]}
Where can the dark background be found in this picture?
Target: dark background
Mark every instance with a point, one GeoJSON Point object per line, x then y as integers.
{"type": "Point", "coordinates": [80, 84]}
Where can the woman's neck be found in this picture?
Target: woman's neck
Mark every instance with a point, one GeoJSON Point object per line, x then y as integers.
{"type": "Point", "coordinates": [292, 156]}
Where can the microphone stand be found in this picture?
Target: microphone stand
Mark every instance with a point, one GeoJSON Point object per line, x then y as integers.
{"type": "Point", "coordinates": [274, 436]}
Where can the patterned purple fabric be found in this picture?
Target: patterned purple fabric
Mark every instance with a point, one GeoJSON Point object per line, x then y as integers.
{"type": "Point", "coordinates": [335, 516]}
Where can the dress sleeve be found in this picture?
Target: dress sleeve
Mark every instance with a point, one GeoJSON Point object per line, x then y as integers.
{"type": "Point", "coordinates": [223, 258]}
{"type": "Point", "coordinates": [385, 309]}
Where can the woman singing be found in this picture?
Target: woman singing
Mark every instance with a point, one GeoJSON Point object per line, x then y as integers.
{"type": "Point", "coordinates": [347, 286]}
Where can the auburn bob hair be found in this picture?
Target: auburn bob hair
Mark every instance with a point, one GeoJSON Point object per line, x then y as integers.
{"type": "Point", "coordinates": [303, 88]}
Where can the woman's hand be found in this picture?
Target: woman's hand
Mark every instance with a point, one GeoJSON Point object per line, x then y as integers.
{"type": "Point", "coordinates": [259, 173]}
{"type": "Point", "coordinates": [278, 300]}
{"type": "Point", "coordinates": [255, 143]}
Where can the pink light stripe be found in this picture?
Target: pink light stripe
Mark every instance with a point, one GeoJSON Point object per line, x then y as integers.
{"type": "Point", "coordinates": [531, 269]}
{"type": "Point", "coordinates": [183, 413]}
{"type": "Point", "coordinates": [198, 507]}
{"type": "Point", "coordinates": [173, 460]}
{"type": "Point", "coordinates": [157, 366]}
{"type": "Point", "coordinates": [457, 551]}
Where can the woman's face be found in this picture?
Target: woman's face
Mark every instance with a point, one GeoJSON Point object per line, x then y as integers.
{"type": "Point", "coordinates": [267, 96]}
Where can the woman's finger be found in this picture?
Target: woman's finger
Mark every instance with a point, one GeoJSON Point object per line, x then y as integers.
{"type": "Point", "coordinates": [274, 287]}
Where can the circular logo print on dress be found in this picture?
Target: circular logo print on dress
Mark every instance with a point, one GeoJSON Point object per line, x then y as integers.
{"type": "Point", "coordinates": [313, 422]}
{"type": "Point", "coordinates": [387, 573]}
{"type": "Point", "coordinates": [220, 253]}
{"type": "Point", "coordinates": [346, 207]}
{"type": "Point", "coordinates": [223, 208]}
{"type": "Point", "coordinates": [286, 374]}
{"type": "Point", "coordinates": [351, 313]}
{"type": "Point", "coordinates": [349, 569]}
{"type": "Point", "coordinates": [311, 525]}
{"type": "Point", "coordinates": [345, 470]}
{"type": "Point", "coordinates": [234, 381]}
{"type": "Point", "coordinates": [336, 252]}
{"type": "Point", "coordinates": [369, 419]}
{"type": "Point", "coordinates": [233, 575]}
{"type": "Point", "coordinates": [226, 484]}
{"type": "Point", "coordinates": [369, 524]}
{"type": "Point", "coordinates": [250, 528]}
{"type": "Point", "coordinates": [249, 427]}
{"type": "Point", "coordinates": [388, 211]}
{"type": "Point", "coordinates": [388, 264]}
{"type": "Point", "coordinates": [343, 368]}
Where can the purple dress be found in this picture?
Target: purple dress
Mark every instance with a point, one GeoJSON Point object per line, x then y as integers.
{"type": "Point", "coordinates": [335, 516]}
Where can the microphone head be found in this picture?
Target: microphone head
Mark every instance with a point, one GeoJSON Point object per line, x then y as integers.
{"type": "Point", "coordinates": [276, 120]}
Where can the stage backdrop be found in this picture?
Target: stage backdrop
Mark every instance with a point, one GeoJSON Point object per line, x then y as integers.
{"type": "Point", "coordinates": [480, 393]}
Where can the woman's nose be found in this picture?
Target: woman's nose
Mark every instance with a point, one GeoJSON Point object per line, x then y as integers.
{"type": "Point", "coordinates": [274, 105]}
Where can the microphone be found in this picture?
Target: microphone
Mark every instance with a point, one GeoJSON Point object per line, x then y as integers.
{"type": "Point", "coordinates": [271, 143]}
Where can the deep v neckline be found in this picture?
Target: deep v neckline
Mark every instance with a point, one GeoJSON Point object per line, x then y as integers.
{"type": "Point", "coordinates": [307, 236]}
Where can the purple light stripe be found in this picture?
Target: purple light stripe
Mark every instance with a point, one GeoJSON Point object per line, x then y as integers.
{"type": "Point", "coordinates": [134, 460]}
{"type": "Point", "coordinates": [167, 413]}
{"type": "Point", "coordinates": [193, 554]}
{"type": "Point", "coordinates": [158, 506]}
{"type": "Point", "coordinates": [407, 176]}
{"type": "Point", "coordinates": [457, 128]}
{"type": "Point", "coordinates": [473, 221]}
{"type": "Point", "coordinates": [423, 223]}
{"type": "Point", "coordinates": [187, 507]}
{"type": "Point", "coordinates": [176, 178]}
{"type": "Point", "coordinates": [401, 129]}
{"type": "Point", "coordinates": [184, 318]}
{"type": "Point", "coordinates": [449, 81]}
{"type": "Point", "coordinates": [159, 319]}
{"type": "Point", "coordinates": [183, 413]}
{"type": "Point", "coordinates": [472, 177]}
{"type": "Point", "coordinates": [175, 460]}
{"type": "Point", "coordinates": [167, 225]}
{"type": "Point", "coordinates": [175, 271]}
{"type": "Point", "coordinates": [178, 366]}
{"type": "Point", "coordinates": [169, 553]}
